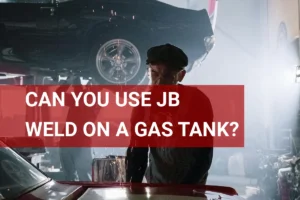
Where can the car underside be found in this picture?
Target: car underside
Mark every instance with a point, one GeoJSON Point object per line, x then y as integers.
{"type": "Point", "coordinates": [105, 40]}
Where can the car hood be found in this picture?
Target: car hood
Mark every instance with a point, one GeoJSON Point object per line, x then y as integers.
{"type": "Point", "coordinates": [93, 191]}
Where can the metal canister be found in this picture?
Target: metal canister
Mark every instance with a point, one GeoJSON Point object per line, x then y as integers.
{"type": "Point", "coordinates": [283, 183]}
{"type": "Point", "coordinates": [109, 169]}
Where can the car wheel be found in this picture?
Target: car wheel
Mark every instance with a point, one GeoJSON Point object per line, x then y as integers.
{"type": "Point", "coordinates": [118, 61]}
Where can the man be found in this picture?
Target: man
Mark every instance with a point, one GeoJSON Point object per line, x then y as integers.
{"type": "Point", "coordinates": [77, 159]}
{"type": "Point", "coordinates": [171, 165]}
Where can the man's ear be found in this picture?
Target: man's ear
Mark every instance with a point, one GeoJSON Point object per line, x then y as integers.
{"type": "Point", "coordinates": [181, 75]}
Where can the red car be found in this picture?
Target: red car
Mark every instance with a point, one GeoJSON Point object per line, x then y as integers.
{"type": "Point", "coordinates": [21, 180]}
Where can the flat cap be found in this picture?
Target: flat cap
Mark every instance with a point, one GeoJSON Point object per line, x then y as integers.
{"type": "Point", "coordinates": [167, 54]}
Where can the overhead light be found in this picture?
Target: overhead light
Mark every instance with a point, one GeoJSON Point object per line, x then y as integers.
{"type": "Point", "coordinates": [298, 74]}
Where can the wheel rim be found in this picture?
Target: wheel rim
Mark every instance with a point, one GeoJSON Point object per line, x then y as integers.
{"type": "Point", "coordinates": [118, 61]}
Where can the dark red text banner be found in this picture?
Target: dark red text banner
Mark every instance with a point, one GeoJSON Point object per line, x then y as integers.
{"type": "Point", "coordinates": [112, 116]}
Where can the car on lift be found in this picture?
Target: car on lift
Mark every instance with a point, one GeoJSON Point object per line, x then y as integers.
{"type": "Point", "coordinates": [22, 180]}
{"type": "Point", "coordinates": [103, 39]}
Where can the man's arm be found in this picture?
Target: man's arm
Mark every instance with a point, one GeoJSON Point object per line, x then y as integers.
{"type": "Point", "coordinates": [203, 156]}
{"type": "Point", "coordinates": [136, 157]}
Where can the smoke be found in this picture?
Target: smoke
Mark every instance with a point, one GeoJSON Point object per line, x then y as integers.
{"type": "Point", "coordinates": [241, 56]}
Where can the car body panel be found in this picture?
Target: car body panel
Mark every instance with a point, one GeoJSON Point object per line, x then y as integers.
{"type": "Point", "coordinates": [37, 30]}
{"type": "Point", "coordinates": [86, 191]}
{"type": "Point", "coordinates": [59, 190]}
{"type": "Point", "coordinates": [54, 190]}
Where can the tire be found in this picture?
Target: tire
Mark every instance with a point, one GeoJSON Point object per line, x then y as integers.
{"type": "Point", "coordinates": [111, 70]}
